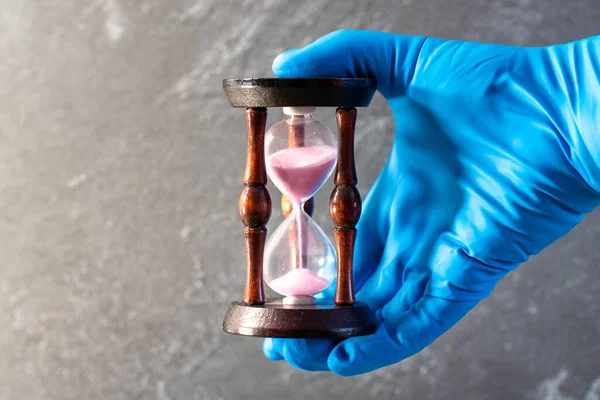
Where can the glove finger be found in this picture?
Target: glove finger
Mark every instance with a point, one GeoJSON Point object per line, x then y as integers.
{"type": "Point", "coordinates": [422, 197]}
{"type": "Point", "coordinates": [370, 238]}
{"type": "Point", "coordinates": [390, 58]}
{"type": "Point", "coordinates": [273, 349]}
{"type": "Point", "coordinates": [411, 229]}
{"type": "Point", "coordinates": [459, 276]}
{"type": "Point", "coordinates": [412, 290]}
{"type": "Point", "coordinates": [385, 281]}
{"type": "Point", "coordinates": [397, 338]}
{"type": "Point", "coordinates": [306, 354]}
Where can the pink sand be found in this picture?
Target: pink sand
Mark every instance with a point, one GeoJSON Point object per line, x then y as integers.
{"type": "Point", "coordinates": [299, 172]}
{"type": "Point", "coordinates": [299, 282]}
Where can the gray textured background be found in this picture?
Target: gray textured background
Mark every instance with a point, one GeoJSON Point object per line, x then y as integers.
{"type": "Point", "coordinates": [120, 245]}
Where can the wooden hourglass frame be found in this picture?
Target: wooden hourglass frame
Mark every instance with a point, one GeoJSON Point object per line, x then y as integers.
{"type": "Point", "coordinates": [255, 315]}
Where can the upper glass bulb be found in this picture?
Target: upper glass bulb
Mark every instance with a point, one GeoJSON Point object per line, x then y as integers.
{"type": "Point", "coordinates": [300, 156]}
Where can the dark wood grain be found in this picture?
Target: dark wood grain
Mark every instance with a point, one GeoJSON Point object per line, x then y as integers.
{"type": "Point", "coordinates": [345, 206]}
{"type": "Point", "coordinates": [255, 205]}
{"type": "Point", "coordinates": [308, 321]}
{"type": "Point", "coordinates": [256, 171]}
{"type": "Point", "coordinates": [292, 92]}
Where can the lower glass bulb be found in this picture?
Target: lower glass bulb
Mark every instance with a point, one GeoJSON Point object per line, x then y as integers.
{"type": "Point", "coordinates": [299, 259]}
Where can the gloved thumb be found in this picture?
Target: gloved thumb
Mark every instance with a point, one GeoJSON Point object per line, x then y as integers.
{"type": "Point", "coordinates": [390, 58]}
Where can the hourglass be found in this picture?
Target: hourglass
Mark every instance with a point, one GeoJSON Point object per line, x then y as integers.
{"type": "Point", "coordinates": [298, 261]}
{"type": "Point", "coordinates": [300, 155]}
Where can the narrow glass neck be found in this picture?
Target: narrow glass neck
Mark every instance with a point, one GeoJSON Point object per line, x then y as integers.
{"type": "Point", "coordinates": [298, 204]}
{"type": "Point", "coordinates": [304, 206]}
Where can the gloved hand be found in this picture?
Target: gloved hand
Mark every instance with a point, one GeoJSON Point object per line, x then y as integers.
{"type": "Point", "coordinates": [496, 155]}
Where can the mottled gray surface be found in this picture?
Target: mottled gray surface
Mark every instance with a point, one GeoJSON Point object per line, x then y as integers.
{"type": "Point", "coordinates": [120, 245]}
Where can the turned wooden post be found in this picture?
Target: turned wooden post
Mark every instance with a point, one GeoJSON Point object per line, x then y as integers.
{"type": "Point", "coordinates": [255, 205]}
{"type": "Point", "coordinates": [345, 206]}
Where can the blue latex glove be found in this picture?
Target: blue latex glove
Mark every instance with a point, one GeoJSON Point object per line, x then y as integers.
{"type": "Point", "coordinates": [496, 155]}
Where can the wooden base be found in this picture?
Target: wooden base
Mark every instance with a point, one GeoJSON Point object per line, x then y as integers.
{"type": "Point", "coordinates": [274, 319]}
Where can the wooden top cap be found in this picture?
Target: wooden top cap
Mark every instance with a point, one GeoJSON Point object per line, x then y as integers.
{"type": "Point", "coordinates": [300, 92]}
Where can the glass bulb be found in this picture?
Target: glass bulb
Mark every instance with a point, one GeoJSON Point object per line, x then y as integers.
{"type": "Point", "coordinates": [299, 258]}
{"type": "Point", "coordinates": [300, 156]}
